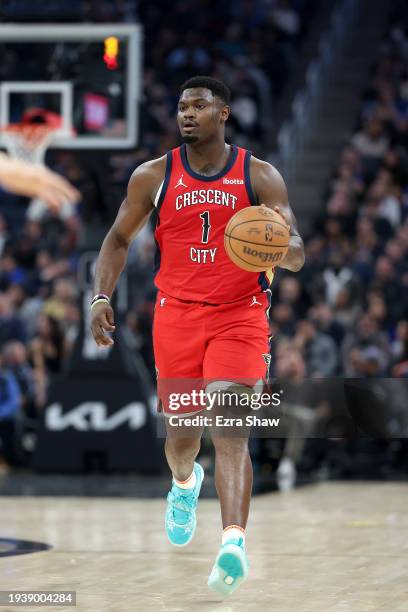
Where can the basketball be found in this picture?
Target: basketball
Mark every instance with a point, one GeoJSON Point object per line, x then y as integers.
{"type": "Point", "coordinates": [256, 238]}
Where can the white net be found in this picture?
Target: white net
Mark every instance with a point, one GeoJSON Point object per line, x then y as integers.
{"type": "Point", "coordinates": [28, 142]}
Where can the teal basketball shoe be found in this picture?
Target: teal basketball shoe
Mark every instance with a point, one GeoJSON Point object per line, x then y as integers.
{"type": "Point", "coordinates": [230, 569]}
{"type": "Point", "coordinates": [180, 519]}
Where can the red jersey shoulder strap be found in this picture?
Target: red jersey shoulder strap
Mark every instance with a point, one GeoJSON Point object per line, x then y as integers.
{"type": "Point", "coordinates": [247, 177]}
{"type": "Point", "coordinates": [161, 192]}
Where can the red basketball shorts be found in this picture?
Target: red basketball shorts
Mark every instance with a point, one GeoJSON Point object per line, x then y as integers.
{"type": "Point", "coordinates": [195, 341]}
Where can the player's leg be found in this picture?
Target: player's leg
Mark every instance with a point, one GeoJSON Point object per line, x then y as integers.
{"type": "Point", "coordinates": [233, 479]}
{"type": "Point", "coordinates": [236, 354]}
{"type": "Point", "coordinates": [179, 356]}
{"type": "Point", "coordinates": [236, 357]}
{"type": "Point", "coordinates": [181, 448]}
{"type": "Point", "coordinates": [233, 482]}
{"type": "Point", "coordinates": [230, 434]}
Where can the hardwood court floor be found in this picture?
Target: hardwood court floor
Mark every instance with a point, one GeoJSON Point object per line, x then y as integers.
{"type": "Point", "coordinates": [328, 547]}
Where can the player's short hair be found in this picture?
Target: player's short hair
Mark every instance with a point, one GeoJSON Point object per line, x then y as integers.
{"type": "Point", "coordinates": [218, 88]}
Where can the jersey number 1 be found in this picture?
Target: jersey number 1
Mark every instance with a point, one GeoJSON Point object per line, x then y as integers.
{"type": "Point", "coordinates": [205, 216]}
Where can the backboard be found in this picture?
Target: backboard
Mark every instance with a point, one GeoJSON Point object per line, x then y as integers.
{"type": "Point", "coordinates": [89, 74]}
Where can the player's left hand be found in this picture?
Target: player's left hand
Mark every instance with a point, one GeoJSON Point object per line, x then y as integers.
{"type": "Point", "coordinates": [283, 214]}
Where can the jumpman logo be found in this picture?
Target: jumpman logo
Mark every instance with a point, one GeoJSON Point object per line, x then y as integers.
{"type": "Point", "coordinates": [180, 182]}
{"type": "Point", "coordinates": [162, 302]}
{"type": "Point", "coordinates": [255, 301]}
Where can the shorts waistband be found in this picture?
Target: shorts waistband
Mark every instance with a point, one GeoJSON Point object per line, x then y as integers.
{"type": "Point", "coordinates": [201, 303]}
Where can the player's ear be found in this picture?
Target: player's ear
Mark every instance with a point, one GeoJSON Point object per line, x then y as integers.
{"type": "Point", "coordinates": [225, 113]}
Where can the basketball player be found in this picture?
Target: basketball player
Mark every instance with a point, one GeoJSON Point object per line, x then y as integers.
{"type": "Point", "coordinates": [36, 181]}
{"type": "Point", "coordinates": [210, 318]}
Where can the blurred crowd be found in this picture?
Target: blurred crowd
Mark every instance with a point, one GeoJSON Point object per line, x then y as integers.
{"type": "Point", "coordinates": [251, 45]}
{"type": "Point", "coordinates": [39, 317]}
{"type": "Point", "coordinates": [346, 312]}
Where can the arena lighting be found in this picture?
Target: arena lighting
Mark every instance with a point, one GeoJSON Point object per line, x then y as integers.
{"type": "Point", "coordinates": [110, 56]}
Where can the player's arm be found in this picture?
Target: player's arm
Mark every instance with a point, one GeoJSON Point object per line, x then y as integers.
{"type": "Point", "coordinates": [35, 180]}
{"type": "Point", "coordinates": [131, 217]}
{"type": "Point", "coordinates": [271, 191]}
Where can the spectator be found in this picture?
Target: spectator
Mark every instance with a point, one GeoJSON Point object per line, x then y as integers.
{"type": "Point", "coordinates": [400, 351]}
{"type": "Point", "coordinates": [366, 335]}
{"type": "Point", "coordinates": [290, 364]}
{"type": "Point", "coordinates": [291, 292]}
{"type": "Point", "coordinates": [336, 277]}
{"type": "Point", "coordinates": [401, 340]}
{"type": "Point", "coordinates": [318, 348]}
{"type": "Point", "coordinates": [47, 351]}
{"type": "Point", "coordinates": [15, 358]}
{"type": "Point", "coordinates": [345, 309]}
{"type": "Point", "coordinates": [11, 272]}
{"type": "Point", "coordinates": [62, 298]}
{"type": "Point", "coordinates": [47, 347]}
{"type": "Point", "coordinates": [400, 367]}
{"type": "Point", "coordinates": [371, 142]}
{"type": "Point", "coordinates": [28, 309]}
{"type": "Point", "coordinates": [369, 362]}
{"type": "Point", "coordinates": [3, 234]}
{"type": "Point", "coordinates": [283, 317]}
{"type": "Point", "coordinates": [10, 401]}
{"type": "Point", "coordinates": [323, 317]}
{"type": "Point", "coordinates": [11, 327]}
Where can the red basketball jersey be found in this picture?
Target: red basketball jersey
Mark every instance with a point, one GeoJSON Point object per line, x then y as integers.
{"type": "Point", "coordinates": [193, 211]}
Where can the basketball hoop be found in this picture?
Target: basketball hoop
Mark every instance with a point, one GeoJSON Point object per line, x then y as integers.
{"type": "Point", "coordinates": [29, 140]}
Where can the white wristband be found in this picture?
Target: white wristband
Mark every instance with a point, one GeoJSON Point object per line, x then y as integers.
{"type": "Point", "coordinates": [100, 301]}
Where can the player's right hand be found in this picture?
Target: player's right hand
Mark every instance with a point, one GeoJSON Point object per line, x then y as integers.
{"type": "Point", "coordinates": [102, 321]}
